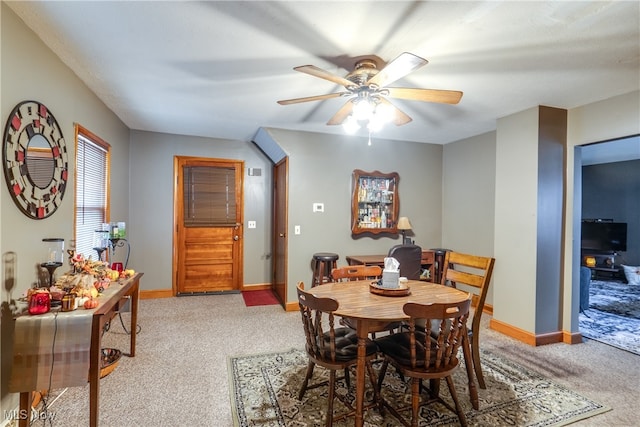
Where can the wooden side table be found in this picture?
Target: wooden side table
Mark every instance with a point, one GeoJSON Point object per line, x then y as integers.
{"type": "Point", "coordinates": [428, 261]}
{"type": "Point", "coordinates": [30, 366]}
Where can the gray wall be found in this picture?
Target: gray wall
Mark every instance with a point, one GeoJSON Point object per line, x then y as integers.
{"type": "Point", "coordinates": [612, 190]}
{"type": "Point", "coordinates": [604, 120]}
{"type": "Point", "coordinates": [468, 199]}
{"type": "Point", "coordinates": [515, 219]}
{"type": "Point", "coordinates": [30, 71]}
{"type": "Point", "coordinates": [515, 270]}
{"type": "Point", "coordinates": [320, 170]}
{"type": "Point", "coordinates": [321, 167]}
{"type": "Point", "coordinates": [150, 226]}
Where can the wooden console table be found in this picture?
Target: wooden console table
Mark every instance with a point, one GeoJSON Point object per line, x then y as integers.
{"type": "Point", "coordinates": [78, 335]}
{"type": "Point", "coordinates": [427, 261]}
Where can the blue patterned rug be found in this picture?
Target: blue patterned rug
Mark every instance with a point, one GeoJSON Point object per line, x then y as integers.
{"type": "Point", "coordinates": [615, 298]}
{"type": "Point", "coordinates": [613, 316]}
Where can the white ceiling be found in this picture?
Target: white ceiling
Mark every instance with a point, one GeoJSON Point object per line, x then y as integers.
{"type": "Point", "coordinates": [217, 68]}
{"type": "Point", "coordinates": [619, 150]}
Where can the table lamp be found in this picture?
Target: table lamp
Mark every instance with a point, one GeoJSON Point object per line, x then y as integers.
{"type": "Point", "coordinates": [404, 225]}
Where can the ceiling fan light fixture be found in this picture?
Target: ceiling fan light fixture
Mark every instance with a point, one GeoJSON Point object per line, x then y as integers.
{"type": "Point", "coordinates": [375, 125]}
{"type": "Point", "coordinates": [368, 111]}
{"type": "Point", "coordinates": [363, 109]}
{"type": "Point", "coordinates": [350, 125]}
{"type": "Point", "coordinates": [367, 88]}
{"type": "Point", "coordinates": [384, 113]}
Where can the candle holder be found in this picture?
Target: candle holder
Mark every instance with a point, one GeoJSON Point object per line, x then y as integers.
{"type": "Point", "coordinates": [101, 241]}
{"type": "Point", "coordinates": [55, 254]}
{"type": "Point", "coordinates": [109, 237]}
{"type": "Point", "coordinates": [115, 242]}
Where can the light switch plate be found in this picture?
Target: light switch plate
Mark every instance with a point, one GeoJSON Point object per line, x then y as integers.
{"type": "Point", "coordinates": [296, 229]}
{"type": "Point", "coordinates": [251, 224]}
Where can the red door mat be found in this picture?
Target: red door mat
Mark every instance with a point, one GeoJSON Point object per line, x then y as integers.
{"type": "Point", "coordinates": [261, 297]}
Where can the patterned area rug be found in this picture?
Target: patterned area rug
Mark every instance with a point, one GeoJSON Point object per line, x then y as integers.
{"type": "Point", "coordinates": [617, 331]}
{"type": "Point", "coordinates": [615, 298]}
{"type": "Point", "coordinates": [613, 316]}
{"type": "Point", "coordinates": [264, 391]}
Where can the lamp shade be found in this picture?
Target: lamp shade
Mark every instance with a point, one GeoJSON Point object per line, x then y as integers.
{"type": "Point", "coordinates": [403, 223]}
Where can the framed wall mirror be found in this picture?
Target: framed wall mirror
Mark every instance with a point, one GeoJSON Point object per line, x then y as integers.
{"type": "Point", "coordinates": [34, 159]}
{"type": "Point", "coordinates": [375, 203]}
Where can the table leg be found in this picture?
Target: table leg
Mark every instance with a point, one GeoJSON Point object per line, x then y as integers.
{"type": "Point", "coordinates": [25, 409]}
{"type": "Point", "coordinates": [362, 329]}
{"type": "Point", "coordinates": [468, 362]}
{"type": "Point", "coordinates": [94, 369]}
{"type": "Point", "coordinates": [134, 318]}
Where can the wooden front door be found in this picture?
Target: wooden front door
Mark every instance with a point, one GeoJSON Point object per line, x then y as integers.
{"type": "Point", "coordinates": [208, 225]}
{"type": "Point", "coordinates": [280, 230]}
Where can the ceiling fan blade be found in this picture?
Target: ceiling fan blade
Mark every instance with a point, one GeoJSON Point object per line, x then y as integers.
{"type": "Point", "coordinates": [319, 72]}
{"type": "Point", "coordinates": [404, 64]}
{"type": "Point", "coordinates": [428, 95]}
{"type": "Point", "coordinates": [342, 114]}
{"type": "Point", "coordinates": [311, 98]}
{"type": "Point", "coordinates": [400, 117]}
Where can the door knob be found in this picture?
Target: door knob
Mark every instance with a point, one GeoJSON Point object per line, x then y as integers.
{"type": "Point", "coordinates": [281, 234]}
{"type": "Point", "coordinates": [235, 237]}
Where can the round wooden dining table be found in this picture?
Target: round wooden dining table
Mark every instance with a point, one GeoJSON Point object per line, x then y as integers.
{"type": "Point", "coordinates": [370, 311]}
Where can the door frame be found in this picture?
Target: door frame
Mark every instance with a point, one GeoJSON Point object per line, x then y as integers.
{"type": "Point", "coordinates": [280, 239]}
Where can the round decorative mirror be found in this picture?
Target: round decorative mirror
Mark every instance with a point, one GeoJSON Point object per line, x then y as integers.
{"type": "Point", "coordinates": [34, 159]}
{"type": "Point", "coordinates": [39, 160]}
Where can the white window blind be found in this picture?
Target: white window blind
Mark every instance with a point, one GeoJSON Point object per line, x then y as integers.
{"type": "Point", "coordinates": [92, 159]}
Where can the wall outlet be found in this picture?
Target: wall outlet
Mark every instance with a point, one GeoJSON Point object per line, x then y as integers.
{"type": "Point", "coordinates": [251, 224]}
{"type": "Point", "coordinates": [318, 207]}
{"type": "Point", "coordinates": [296, 229]}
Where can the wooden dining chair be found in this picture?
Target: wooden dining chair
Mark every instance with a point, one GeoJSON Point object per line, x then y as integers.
{"type": "Point", "coordinates": [361, 272]}
{"type": "Point", "coordinates": [427, 355]}
{"type": "Point", "coordinates": [356, 272]}
{"type": "Point", "coordinates": [335, 349]}
{"type": "Point", "coordinates": [470, 273]}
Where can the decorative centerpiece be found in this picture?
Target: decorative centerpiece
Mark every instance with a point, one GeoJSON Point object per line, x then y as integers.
{"type": "Point", "coordinates": [79, 287]}
{"type": "Point", "coordinates": [87, 279]}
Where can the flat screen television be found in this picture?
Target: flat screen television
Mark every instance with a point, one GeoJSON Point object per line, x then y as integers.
{"type": "Point", "coordinates": [604, 236]}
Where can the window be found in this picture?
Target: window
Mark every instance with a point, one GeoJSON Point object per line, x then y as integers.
{"type": "Point", "coordinates": [209, 196]}
{"type": "Point", "coordinates": [92, 189]}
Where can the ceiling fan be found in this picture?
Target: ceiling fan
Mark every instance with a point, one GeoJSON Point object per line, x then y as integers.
{"type": "Point", "coordinates": [368, 83]}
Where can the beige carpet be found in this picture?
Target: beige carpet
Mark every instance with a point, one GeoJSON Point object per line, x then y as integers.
{"type": "Point", "coordinates": [179, 376]}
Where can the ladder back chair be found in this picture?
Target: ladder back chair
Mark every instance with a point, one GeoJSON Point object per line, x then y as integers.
{"type": "Point", "coordinates": [429, 354]}
{"type": "Point", "coordinates": [474, 272]}
{"type": "Point", "coordinates": [335, 349]}
{"type": "Point", "coordinates": [361, 272]}
{"type": "Point", "coordinates": [356, 272]}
